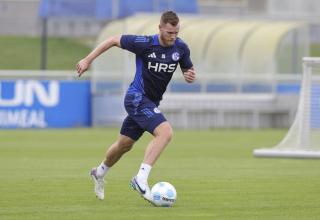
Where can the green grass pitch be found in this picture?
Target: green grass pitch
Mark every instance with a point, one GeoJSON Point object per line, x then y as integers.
{"type": "Point", "coordinates": [44, 174]}
{"type": "Point", "coordinates": [62, 53]}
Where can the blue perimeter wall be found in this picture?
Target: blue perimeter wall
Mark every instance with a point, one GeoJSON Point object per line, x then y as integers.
{"type": "Point", "coordinates": [45, 104]}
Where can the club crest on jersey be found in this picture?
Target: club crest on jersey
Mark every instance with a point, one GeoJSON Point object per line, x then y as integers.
{"type": "Point", "coordinates": [156, 110]}
{"type": "Point", "coordinates": [175, 56]}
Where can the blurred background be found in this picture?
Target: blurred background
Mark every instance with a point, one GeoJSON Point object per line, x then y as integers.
{"type": "Point", "coordinates": [247, 53]}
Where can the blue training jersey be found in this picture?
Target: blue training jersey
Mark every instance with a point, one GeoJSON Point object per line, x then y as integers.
{"type": "Point", "coordinates": [155, 64]}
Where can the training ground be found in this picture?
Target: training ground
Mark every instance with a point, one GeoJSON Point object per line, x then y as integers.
{"type": "Point", "coordinates": [44, 174]}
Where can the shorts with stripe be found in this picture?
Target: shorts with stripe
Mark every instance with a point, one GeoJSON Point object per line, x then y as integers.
{"type": "Point", "coordinates": [143, 115]}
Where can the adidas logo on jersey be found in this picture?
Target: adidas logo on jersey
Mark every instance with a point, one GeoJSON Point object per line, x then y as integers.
{"type": "Point", "coordinates": [152, 55]}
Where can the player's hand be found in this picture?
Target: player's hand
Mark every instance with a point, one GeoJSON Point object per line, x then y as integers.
{"type": "Point", "coordinates": [189, 75]}
{"type": "Point", "coordinates": [82, 66]}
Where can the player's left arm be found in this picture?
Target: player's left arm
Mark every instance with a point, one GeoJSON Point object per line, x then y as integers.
{"type": "Point", "coordinates": [189, 75]}
{"type": "Point", "coordinates": [186, 66]}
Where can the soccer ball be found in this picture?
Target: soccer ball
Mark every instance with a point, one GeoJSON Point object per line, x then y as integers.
{"type": "Point", "coordinates": [163, 194]}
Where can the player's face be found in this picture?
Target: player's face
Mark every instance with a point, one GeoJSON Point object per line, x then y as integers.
{"type": "Point", "coordinates": [168, 33]}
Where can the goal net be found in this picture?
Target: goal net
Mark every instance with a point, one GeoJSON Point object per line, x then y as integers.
{"type": "Point", "coordinates": [303, 137]}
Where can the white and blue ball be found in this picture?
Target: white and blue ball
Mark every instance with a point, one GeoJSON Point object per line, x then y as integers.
{"type": "Point", "coordinates": [163, 194]}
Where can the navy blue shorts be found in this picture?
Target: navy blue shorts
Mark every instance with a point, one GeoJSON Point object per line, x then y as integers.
{"type": "Point", "coordinates": [143, 115]}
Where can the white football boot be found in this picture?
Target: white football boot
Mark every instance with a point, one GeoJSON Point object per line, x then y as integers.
{"type": "Point", "coordinates": [98, 184]}
{"type": "Point", "coordinates": [142, 188]}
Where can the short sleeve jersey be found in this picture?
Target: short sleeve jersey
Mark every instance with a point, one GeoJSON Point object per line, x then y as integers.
{"type": "Point", "coordinates": [155, 64]}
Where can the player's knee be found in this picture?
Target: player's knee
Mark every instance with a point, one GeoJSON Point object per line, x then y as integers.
{"type": "Point", "coordinates": [168, 135]}
{"type": "Point", "coordinates": [125, 144]}
{"type": "Point", "coordinates": [165, 131]}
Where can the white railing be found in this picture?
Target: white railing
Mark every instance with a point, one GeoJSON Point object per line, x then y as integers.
{"type": "Point", "coordinates": [203, 79]}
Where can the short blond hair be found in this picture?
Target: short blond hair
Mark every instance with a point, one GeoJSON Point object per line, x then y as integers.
{"type": "Point", "coordinates": [169, 17]}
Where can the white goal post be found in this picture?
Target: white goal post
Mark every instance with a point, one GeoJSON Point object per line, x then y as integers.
{"type": "Point", "coordinates": [303, 137]}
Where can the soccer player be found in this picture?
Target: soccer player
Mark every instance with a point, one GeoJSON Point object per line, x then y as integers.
{"type": "Point", "coordinates": [157, 57]}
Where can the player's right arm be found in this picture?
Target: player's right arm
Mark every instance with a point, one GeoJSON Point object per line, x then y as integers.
{"type": "Point", "coordinates": [84, 64]}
